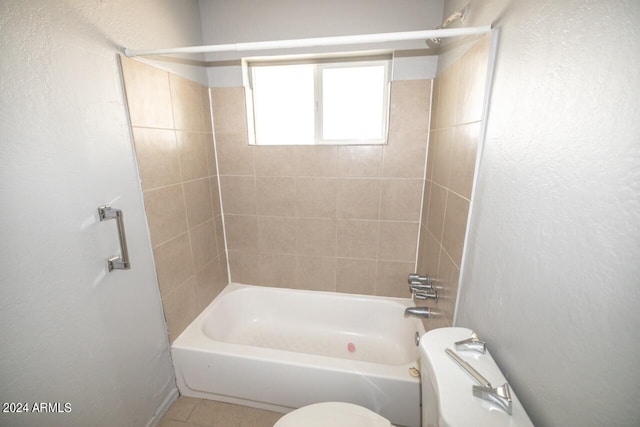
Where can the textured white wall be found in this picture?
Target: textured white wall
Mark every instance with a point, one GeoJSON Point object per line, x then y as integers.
{"type": "Point", "coordinates": [552, 274]}
{"type": "Point", "coordinates": [71, 332]}
{"type": "Point", "coordinates": [249, 20]}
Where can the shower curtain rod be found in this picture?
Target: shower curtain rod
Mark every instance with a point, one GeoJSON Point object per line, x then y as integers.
{"type": "Point", "coordinates": [317, 41]}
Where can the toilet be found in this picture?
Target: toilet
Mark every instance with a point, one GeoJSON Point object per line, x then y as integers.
{"type": "Point", "coordinates": [332, 414]}
{"type": "Point", "coordinates": [447, 396]}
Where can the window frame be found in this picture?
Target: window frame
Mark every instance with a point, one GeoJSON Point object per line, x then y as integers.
{"type": "Point", "coordinates": [320, 63]}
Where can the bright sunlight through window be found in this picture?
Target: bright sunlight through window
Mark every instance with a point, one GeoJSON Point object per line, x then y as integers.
{"type": "Point", "coordinates": [320, 103]}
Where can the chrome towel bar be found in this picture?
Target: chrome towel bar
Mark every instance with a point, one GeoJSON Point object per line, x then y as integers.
{"type": "Point", "coordinates": [116, 262]}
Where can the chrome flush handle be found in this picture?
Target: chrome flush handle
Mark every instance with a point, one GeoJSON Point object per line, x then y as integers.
{"type": "Point", "coordinates": [472, 344]}
{"type": "Point", "coordinates": [501, 396]}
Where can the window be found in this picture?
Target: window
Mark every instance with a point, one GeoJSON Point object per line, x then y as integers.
{"type": "Point", "coordinates": [319, 101]}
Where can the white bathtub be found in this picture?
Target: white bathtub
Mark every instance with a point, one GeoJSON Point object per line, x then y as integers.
{"type": "Point", "coordinates": [282, 349]}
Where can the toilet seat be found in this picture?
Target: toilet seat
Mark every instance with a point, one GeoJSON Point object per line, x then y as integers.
{"type": "Point", "coordinates": [333, 414]}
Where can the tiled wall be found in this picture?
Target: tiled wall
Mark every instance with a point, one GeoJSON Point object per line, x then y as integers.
{"type": "Point", "coordinates": [171, 124]}
{"type": "Point", "coordinates": [458, 95]}
{"type": "Point", "coordinates": [327, 218]}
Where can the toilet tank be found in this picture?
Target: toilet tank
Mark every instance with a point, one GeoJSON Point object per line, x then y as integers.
{"type": "Point", "coordinates": [447, 398]}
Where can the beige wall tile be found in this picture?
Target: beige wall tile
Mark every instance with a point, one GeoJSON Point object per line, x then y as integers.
{"type": "Point", "coordinates": [437, 204]}
{"type": "Point", "coordinates": [457, 110]}
{"type": "Point", "coordinates": [206, 109]}
{"type": "Point", "coordinates": [238, 194]}
{"type": "Point", "coordinates": [197, 197]}
{"type": "Point", "coordinates": [203, 244]}
{"type": "Point", "coordinates": [391, 278]}
{"type": "Point", "coordinates": [316, 236]}
{"type": "Point", "coordinates": [165, 213]}
{"type": "Point", "coordinates": [359, 161]}
{"type": "Point", "coordinates": [437, 320]}
{"type": "Point", "coordinates": [401, 199]}
{"type": "Point", "coordinates": [421, 266]}
{"type": "Point", "coordinates": [245, 267]}
{"type": "Point", "coordinates": [209, 283]}
{"type": "Point", "coordinates": [212, 165]}
{"type": "Point", "coordinates": [409, 108]}
{"type": "Point", "coordinates": [175, 169]}
{"type": "Point", "coordinates": [242, 232]}
{"type": "Point", "coordinates": [158, 157]}
{"type": "Point", "coordinates": [316, 273]}
{"type": "Point", "coordinates": [473, 72]}
{"type": "Point", "coordinates": [316, 160]}
{"type": "Point", "coordinates": [223, 270]}
{"type": "Point", "coordinates": [358, 239]}
{"type": "Point", "coordinates": [229, 110]}
{"type": "Point", "coordinates": [215, 195]}
{"type": "Point", "coordinates": [148, 94]}
{"type": "Point", "coordinates": [275, 161]}
{"type": "Point", "coordinates": [235, 156]}
{"type": "Point", "coordinates": [447, 98]}
{"type": "Point", "coordinates": [356, 276]}
{"type": "Point", "coordinates": [404, 158]}
{"type": "Point", "coordinates": [358, 198]}
{"type": "Point", "coordinates": [320, 196]}
{"type": "Point", "coordinates": [276, 196]}
{"type": "Point", "coordinates": [277, 234]}
{"type": "Point", "coordinates": [455, 226]}
{"type": "Point", "coordinates": [432, 255]}
{"type": "Point", "coordinates": [447, 285]}
{"type": "Point", "coordinates": [433, 135]}
{"type": "Point", "coordinates": [278, 270]}
{"type": "Point", "coordinates": [220, 234]}
{"type": "Point", "coordinates": [434, 105]}
{"type": "Point", "coordinates": [443, 148]}
{"type": "Point", "coordinates": [193, 155]}
{"type": "Point", "coordinates": [424, 213]}
{"type": "Point", "coordinates": [398, 241]}
{"type": "Point", "coordinates": [186, 99]}
{"type": "Point", "coordinates": [174, 263]}
{"type": "Point", "coordinates": [465, 147]}
{"type": "Point", "coordinates": [181, 307]}
{"type": "Point", "coordinates": [316, 197]}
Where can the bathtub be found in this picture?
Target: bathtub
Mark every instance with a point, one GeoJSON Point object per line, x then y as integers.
{"type": "Point", "coordinates": [281, 349]}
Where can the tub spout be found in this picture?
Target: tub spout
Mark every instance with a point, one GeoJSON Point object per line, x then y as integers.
{"type": "Point", "coordinates": [418, 312]}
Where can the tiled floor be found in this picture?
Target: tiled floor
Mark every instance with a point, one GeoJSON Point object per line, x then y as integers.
{"type": "Point", "coordinates": [191, 412]}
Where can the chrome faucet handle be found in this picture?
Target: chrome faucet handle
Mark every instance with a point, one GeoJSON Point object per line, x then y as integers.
{"type": "Point", "coordinates": [472, 344]}
{"type": "Point", "coordinates": [420, 286]}
{"type": "Point", "coordinates": [415, 277]}
{"type": "Point", "coordinates": [429, 294]}
{"type": "Point", "coordinates": [501, 396]}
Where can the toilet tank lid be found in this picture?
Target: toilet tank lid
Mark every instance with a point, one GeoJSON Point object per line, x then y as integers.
{"type": "Point", "coordinates": [456, 403]}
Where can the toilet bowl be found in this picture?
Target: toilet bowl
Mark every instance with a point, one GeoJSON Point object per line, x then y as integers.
{"type": "Point", "coordinates": [448, 398]}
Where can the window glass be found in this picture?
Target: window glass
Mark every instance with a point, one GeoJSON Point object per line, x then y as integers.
{"type": "Point", "coordinates": [322, 102]}
{"type": "Point", "coordinates": [283, 104]}
{"type": "Point", "coordinates": [353, 103]}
